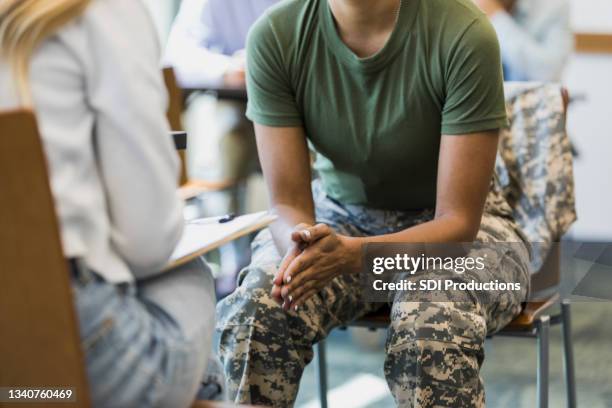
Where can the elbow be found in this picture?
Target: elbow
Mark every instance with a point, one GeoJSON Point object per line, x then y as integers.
{"type": "Point", "coordinates": [463, 228]}
{"type": "Point", "coordinates": [466, 231]}
{"type": "Point", "coordinates": [468, 227]}
{"type": "Point", "coordinates": [148, 252]}
{"type": "Point", "coordinates": [148, 261]}
{"type": "Point", "coordinates": [470, 232]}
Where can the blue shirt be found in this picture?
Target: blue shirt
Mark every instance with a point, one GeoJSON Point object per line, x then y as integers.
{"type": "Point", "coordinates": [205, 35]}
{"type": "Point", "coordinates": [227, 22]}
{"type": "Point", "coordinates": [536, 40]}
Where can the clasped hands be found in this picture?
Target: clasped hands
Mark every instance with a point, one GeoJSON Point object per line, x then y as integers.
{"type": "Point", "coordinates": [316, 256]}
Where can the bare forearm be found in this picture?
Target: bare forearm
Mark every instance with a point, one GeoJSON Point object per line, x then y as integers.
{"type": "Point", "coordinates": [285, 162]}
{"type": "Point", "coordinates": [288, 217]}
{"type": "Point", "coordinates": [439, 230]}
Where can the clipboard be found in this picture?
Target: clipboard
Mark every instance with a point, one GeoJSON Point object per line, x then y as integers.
{"type": "Point", "coordinates": [202, 235]}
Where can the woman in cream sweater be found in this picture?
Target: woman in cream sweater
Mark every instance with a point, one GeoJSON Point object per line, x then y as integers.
{"type": "Point", "coordinates": [89, 71]}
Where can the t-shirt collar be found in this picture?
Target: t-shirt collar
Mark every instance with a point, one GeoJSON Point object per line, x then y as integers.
{"type": "Point", "coordinates": [406, 18]}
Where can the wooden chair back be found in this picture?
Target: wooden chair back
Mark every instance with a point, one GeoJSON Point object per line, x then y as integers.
{"type": "Point", "coordinates": [40, 343]}
{"type": "Point", "coordinates": [189, 188]}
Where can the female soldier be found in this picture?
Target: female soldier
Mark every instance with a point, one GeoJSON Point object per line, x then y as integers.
{"type": "Point", "coordinates": [402, 102]}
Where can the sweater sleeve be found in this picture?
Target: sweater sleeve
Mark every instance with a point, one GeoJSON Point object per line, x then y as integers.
{"type": "Point", "coordinates": [136, 158]}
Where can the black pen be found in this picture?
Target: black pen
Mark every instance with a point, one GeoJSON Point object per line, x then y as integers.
{"type": "Point", "coordinates": [214, 220]}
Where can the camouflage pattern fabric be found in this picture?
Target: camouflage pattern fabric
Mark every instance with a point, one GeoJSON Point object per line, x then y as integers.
{"type": "Point", "coordinates": [534, 164]}
{"type": "Point", "coordinates": [434, 350]}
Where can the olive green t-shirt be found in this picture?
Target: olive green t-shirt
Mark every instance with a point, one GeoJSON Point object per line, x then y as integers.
{"type": "Point", "coordinates": [376, 123]}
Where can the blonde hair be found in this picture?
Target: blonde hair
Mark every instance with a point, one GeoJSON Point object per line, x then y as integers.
{"type": "Point", "coordinates": [24, 24]}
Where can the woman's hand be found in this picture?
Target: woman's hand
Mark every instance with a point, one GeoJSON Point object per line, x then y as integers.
{"type": "Point", "coordinates": [325, 255]}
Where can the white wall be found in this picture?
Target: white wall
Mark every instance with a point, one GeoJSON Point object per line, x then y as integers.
{"type": "Point", "coordinates": [592, 15]}
{"type": "Point", "coordinates": [590, 124]}
{"type": "Point", "coordinates": [590, 127]}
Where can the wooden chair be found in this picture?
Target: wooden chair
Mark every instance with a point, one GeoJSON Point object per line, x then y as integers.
{"type": "Point", "coordinates": [189, 188]}
{"type": "Point", "coordinates": [40, 343]}
{"type": "Point", "coordinates": [532, 322]}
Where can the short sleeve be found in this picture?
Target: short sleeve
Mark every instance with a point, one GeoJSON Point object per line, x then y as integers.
{"type": "Point", "coordinates": [271, 97]}
{"type": "Point", "coordinates": [474, 82]}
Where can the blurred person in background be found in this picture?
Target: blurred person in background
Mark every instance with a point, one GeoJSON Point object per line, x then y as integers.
{"type": "Point", "coordinates": [90, 72]}
{"type": "Point", "coordinates": [535, 37]}
{"type": "Point", "coordinates": [206, 49]}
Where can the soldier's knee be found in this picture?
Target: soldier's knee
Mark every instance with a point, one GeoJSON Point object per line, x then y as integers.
{"type": "Point", "coordinates": [251, 303]}
{"type": "Point", "coordinates": [458, 323]}
{"type": "Point", "coordinates": [437, 345]}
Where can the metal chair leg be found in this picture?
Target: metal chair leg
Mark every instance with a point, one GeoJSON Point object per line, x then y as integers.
{"type": "Point", "coordinates": [568, 350]}
{"type": "Point", "coordinates": [543, 339]}
{"type": "Point", "coordinates": [322, 373]}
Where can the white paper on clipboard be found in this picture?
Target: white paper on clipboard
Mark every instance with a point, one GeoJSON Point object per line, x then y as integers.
{"type": "Point", "coordinates": [203, 235]}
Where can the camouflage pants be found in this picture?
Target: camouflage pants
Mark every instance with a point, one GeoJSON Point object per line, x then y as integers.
{"type": "Point", "coordinates": [434, 350]}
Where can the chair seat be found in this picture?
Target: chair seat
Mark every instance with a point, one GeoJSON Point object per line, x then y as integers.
{"type": "Point", "coordinates": [524, 321]}
{"type": "Point", "coordinates": [530, 313]}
